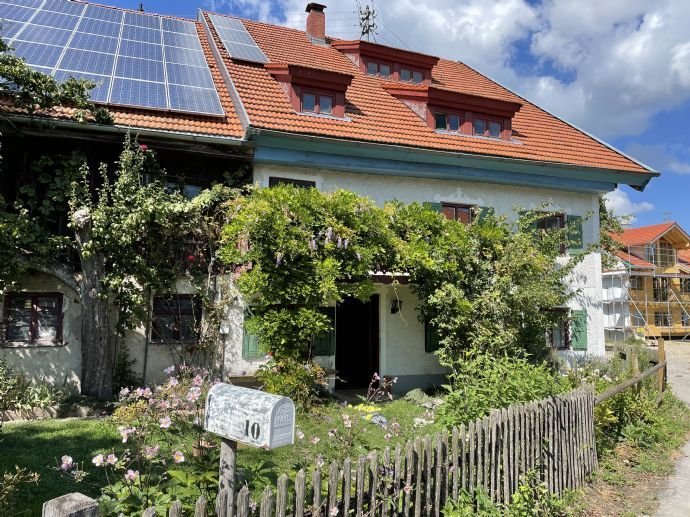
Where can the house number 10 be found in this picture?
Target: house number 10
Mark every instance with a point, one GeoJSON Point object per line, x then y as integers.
{"type": "Point", "coordinates": [254, 429]}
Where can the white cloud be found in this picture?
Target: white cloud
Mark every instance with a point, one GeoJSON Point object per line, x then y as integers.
{"type": "Point", "coordinates": [622, 206]}
{"type": "Point", "coordinates": [663, 157]}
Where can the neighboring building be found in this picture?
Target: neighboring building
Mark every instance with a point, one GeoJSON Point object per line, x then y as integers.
{"type": "Point", "coordinates": [647, 293]}
{"type": "Point", "coordinates": [383, 122]}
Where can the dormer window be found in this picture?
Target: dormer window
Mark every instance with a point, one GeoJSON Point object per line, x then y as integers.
{"type": "Point", "coordinates": [487, 127]}
{"type": "Point", "coordinates": [447, 121]}
{"type": "Point", "coordinates": [312, 90]}
{"type": "Point", "coordinates": [411, 76]}
{"type": "Point", "coordinates": [317, 103]}
{"type": "Point", "coordinates": [379, 69]}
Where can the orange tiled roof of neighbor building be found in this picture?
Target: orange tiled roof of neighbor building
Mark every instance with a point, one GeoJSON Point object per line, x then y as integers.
{"type": "Point", "coordinates": [373, 115]}
{"type": "Point", "coordinates": [634, 261]}
{"type": "Point", "coordinates": [643, 234]}
{"type": "Point", "coordinates": [684, 255]}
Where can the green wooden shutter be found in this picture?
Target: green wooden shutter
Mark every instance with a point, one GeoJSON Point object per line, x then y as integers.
{"type": "Point", "coordinates": [578, 335]}
{"type": "Point", "coordinates": [484, 212]}
{"type": "Point", "coordinates": [325, 343]}
{"type": "Point", "coordinates": [435, 206]}
{"type": "Point", "coordinates": [431, 339]}
{"type": "Point", "coordinates": [575, 233]}
{"type": "Point", "coordinates": [250, 342]}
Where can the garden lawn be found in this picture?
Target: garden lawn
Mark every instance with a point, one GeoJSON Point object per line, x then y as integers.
{"type": "Point", "coordinates": [38, 446]}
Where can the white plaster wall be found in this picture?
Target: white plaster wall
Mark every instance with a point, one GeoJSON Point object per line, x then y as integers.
{"type": "Point", "coordinates": [58, 364]}
{"type": "Point", "coordinates": [504, 199]}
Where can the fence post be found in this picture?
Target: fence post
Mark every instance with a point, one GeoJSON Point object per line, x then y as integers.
{"type": "Point", "coordinates": [661, 374]}
{"type": "Point", "coordinates": [71, 505]}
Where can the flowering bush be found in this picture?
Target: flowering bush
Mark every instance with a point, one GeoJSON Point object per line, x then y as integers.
{"type": "Point", "coordinates": [154, 467]}
{"type": "Point", "coordinates": [304, 382]}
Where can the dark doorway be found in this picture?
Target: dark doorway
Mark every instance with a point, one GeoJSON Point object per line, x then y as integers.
{"type": "Point", "coordinates": [357, 342]}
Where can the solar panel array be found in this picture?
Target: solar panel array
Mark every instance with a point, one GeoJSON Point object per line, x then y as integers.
{"type": "Point", "coordinates": [236, 40]}
{"type": "Point", "coordinates": [136, 59]}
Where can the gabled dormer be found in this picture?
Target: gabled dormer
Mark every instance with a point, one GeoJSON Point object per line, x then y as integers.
{"type": "Point", "coordinates": [312, 91]}
{"type": "Point", "coordinates": [453, 112]}
{"type": "Point", "coordinates": [388, 63]}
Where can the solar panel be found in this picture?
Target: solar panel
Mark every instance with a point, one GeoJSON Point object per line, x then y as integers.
{"type": "Point", "coordinates": [136, 59]}
{"type": "Point", "coordinates": [99, 93]}
{"type": "Point", "coordinates": [237, 40]}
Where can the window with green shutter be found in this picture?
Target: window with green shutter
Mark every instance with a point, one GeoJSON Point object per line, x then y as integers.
{"type": "Point", "coordinates": [250, 342]}
{"type": "Point", "coordinates": [437, 207]}
{"type": "Point", "coordinates": [575, 240]}
{"type": "Point", "coordinates": [325, 343]}
{"type": "Point", "coordinates": [431, 338]}
{"type": "Point", "coordinates": [578, 326]}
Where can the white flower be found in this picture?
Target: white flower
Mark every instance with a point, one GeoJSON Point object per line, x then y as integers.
{"type": "Point", "coordinates": [132, 475]}
{"type": "Point", "coordinates": [151, 452]}
{"type": "Point", "coordinates": [165, 422]}
{"type": "Point", "coordinates": [111, 459]}
{"type": "Point", "coordinates": [315, 440]}
{"type": "Point", "coordinates": [169, 370]}
{"type": "Point", "coordinates": [300, 435]}
{"type": "Point", "coordinates": [178, 457]}
{"type": "Point", "coordinates": [67, 462]}
{"type": "Point", "coordinates": [333, 511]}
{"type": "Point", "coordinates": [98, 460]}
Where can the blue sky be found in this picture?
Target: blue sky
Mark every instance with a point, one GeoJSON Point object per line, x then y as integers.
{"type": "Point", "coordinates": [620, 69]}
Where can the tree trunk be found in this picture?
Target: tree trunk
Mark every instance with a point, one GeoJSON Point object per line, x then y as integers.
{"type": "Point", "coordinates": [97, 345]}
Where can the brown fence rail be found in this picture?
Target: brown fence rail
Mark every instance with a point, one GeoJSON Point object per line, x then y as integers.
{"type": "Point", "coordinates": [554, 437]}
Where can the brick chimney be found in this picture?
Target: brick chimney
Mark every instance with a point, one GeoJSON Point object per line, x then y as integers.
{"type": "Point", "coordinates": [316, 22]}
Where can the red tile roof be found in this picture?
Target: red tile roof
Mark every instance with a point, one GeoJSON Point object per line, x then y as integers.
{"type": "Point", "coordinates": [684, 256]}
{"type": "Point", "coordinates": [643, 234]}
{"type": "Point", "coordinates": [374, 115]}
{"type": "Point", "coordinates": [634, 261]}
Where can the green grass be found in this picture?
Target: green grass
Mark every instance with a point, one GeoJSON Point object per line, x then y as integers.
{"type": "Point", "coordinates": [38, 446]}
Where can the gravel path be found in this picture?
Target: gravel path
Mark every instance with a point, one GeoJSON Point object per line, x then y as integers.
{"type": "Point", "coordinates": [674, 499]}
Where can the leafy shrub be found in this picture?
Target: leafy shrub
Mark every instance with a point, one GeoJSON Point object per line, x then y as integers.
{"type": "Point", "coordinates": [303, 382]}
{"type": "Point", "coordinates": [18, 393]}
{"type": "Point", "coordinates": [9, 485]}
{"type": "Point", "coordinates": [482, 382]}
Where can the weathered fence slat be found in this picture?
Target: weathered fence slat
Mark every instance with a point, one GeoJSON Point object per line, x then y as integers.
{"type": "Point", "coordinates": [347, 485]}
{"type": "Point", "coordinates": [419, 464]}
{"type": "Point", "coordinates": [316, 492]}
{"type": "Point", "coordinates": [266, 509]}
{"type": "Point", "coordinates": [359, 487]}
{"type": "Point", "coordinates": [282, 496]}
{"type": "Point", "coordinates": [300, 493]}
{"type": "Point", "coordinates": [243, 502]}
{"type": "Point", "coordinates": [409, 471]}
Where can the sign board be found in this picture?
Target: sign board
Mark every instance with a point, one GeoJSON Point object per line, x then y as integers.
{"type": "Point", "coordinates": [250, 416]}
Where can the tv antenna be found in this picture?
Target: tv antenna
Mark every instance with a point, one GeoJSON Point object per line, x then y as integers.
{"type": "Point", "coordinates": [367, 21]}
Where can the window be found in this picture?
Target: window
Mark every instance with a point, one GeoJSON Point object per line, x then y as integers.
{"type": "Point", "coordinates": [34, 318]}
{"type": "Point", "coordinates": [660, 289]}
{"type": "Point", "coordinates": [662, 319]}
{"type": "Point", "coordinates": [636, 283]}
{"type": "Point", "coordinates": [414, 76]}
{"type": "Point", "coordinates": [175, 318]}
{"type": "Point", "coordinates": [275, 180]}
{"type": "Point", "coordinates": [462, 213]}
{"type": "Point", "coordinates": [380, 69]}
{"type": "Point", "coordinates": [549, 223]}
{"type": "Point", "coordinates": [431, 338]}
{"type": "Point", "coordinates": [484, 127]}
{"type": "Point", "coordinates": [558, 336]}
{"type": "Point", "coordinates": [685, 285]}
{"type": "Point", "coordinates": [637, 319]}
{"type": "Point", "coordinates": [447, 122]}
{"type": "Point", "coordinates": [317, 103]}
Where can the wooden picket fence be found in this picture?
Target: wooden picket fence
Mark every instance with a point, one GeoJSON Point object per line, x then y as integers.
{"type": "Point", "coordinates": [554, 437]}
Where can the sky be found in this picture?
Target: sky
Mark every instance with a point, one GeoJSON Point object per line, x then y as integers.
{"type": "Point", "coordinates": [619, 69]}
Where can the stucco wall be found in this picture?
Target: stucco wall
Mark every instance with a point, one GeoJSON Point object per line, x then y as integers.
{"type": "Point", "coordinates": [58, 364]}
{"type": "Point", "coordinates": [504, 199]}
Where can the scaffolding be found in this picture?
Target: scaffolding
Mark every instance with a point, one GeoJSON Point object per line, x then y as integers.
{"type": "Point", "coordinates": [647, 298]}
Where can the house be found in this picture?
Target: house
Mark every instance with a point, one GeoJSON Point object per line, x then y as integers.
{"type": "Point", "coordinates": [647, 292]}
{"type": "Point", "coordinates": [303, 108]}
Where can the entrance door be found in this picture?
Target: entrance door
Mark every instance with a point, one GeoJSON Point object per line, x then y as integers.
{"type": "Point", "coordinates": [357, 342]}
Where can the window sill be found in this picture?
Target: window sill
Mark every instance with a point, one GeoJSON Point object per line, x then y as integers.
{"type": "Point", "coordinates": [478, 137]}
{"type": "Point", "coordinates": [24, 344]}
{"type": "Point", "coordinates": [323, 115]}
{"type": "Point", "coordinates": [173, 342]}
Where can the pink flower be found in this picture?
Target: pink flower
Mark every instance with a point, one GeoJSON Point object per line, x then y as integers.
{"type": "Point", "coordinates": [178, 457]}
{"type": "Point", "coordinates": [193, 394]}
{"type": "Point", "coordinates": [147, 393]}
{"type": "Point", "coordinates": [151, 452]}
{"type": "Point", "coordinates": [66, 462]}
{"type": "Point", "coordinates": [125, 432]}
{"type": "Point", "coordinates": [111, 459]}
{"type": "Point", "coordinates": [169, 370]}
{"type": "Point", "coordinates": [198, 380]}
{"type": "Point", "coordinates": [165, 422]}
{"type": "Point", "coordinates": [124, 392]}
{"type": "Point", "coordinates": [144, 147]}
{"type": "Point", "coordinates": [132, 475]}
{"type": "Point", "coordinates": [407, 489]}
{"type": "Point", "coordinates": [333, 512]}
{"type": "Point", "coordinates": [98, 460]}
{"type": "Point", "coordinates": [172, 382]}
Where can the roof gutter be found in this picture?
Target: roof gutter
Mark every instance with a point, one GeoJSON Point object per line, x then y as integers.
{"type": "Point", "coordinates": [636, 180]}
{"type": "Point", "coordinates": [180, 136]}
